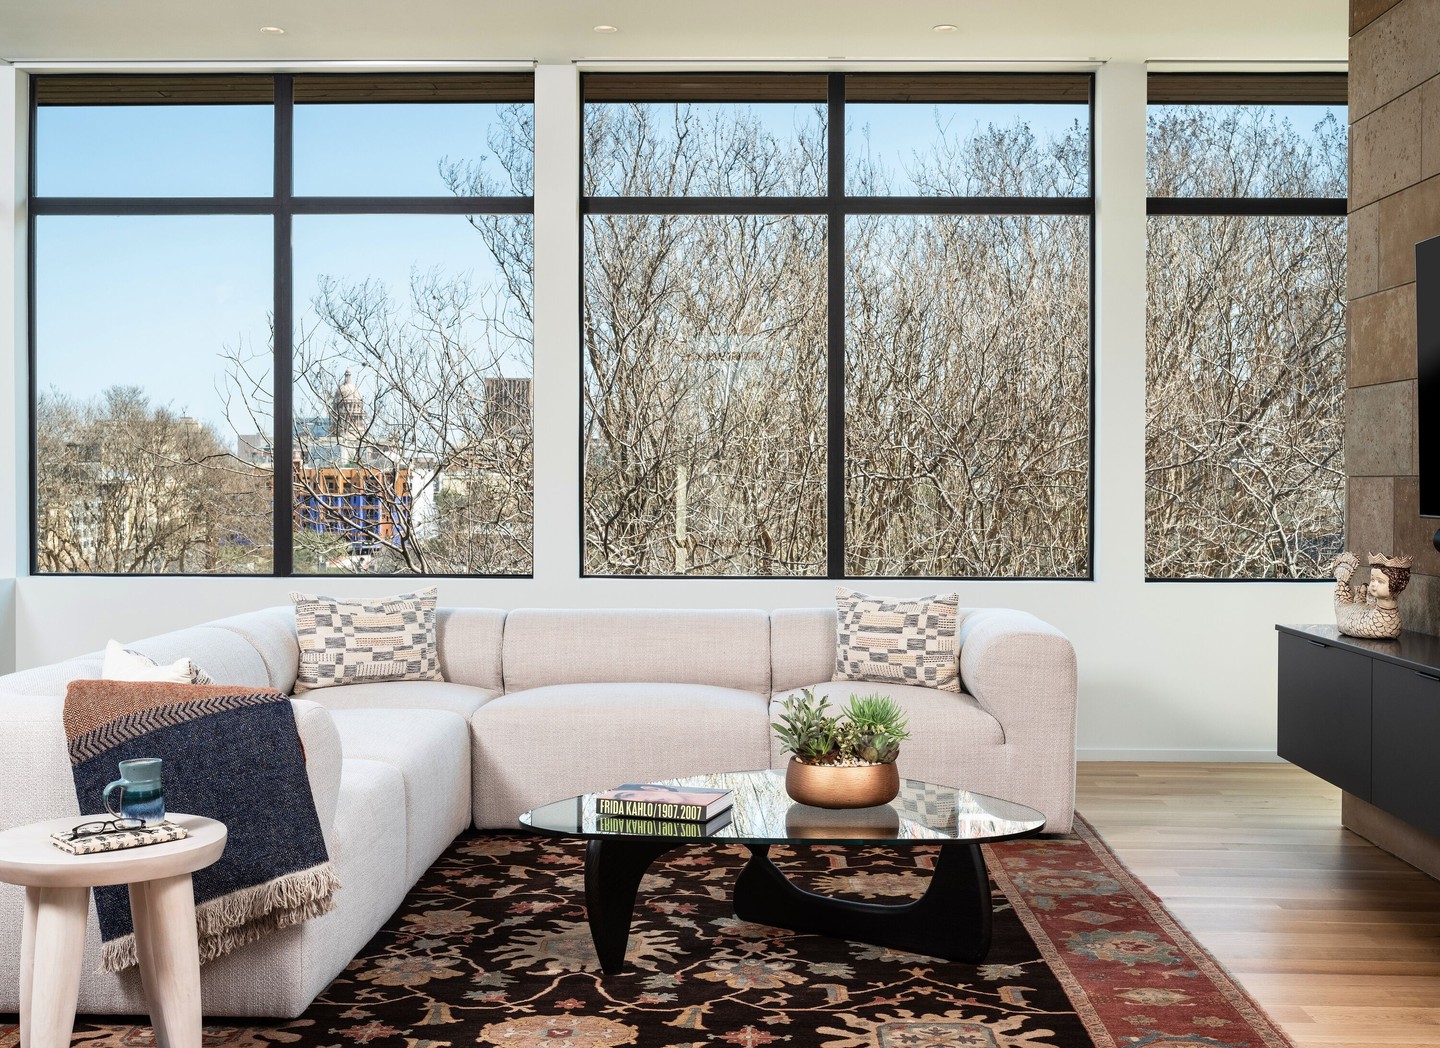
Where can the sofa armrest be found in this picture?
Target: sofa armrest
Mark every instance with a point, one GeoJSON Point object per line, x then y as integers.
{"type": "Point", "coordinates": [36, 782]}
{"type": "Point", "coordinates": [1022, 672]}
{"type": "Point", "coordinates": [323, 760]}
{"type": "Point", "coordinates": [35, 779]}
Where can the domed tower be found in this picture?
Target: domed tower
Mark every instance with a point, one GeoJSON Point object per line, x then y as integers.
{"type": "Point", "coordinates": [347, 416]}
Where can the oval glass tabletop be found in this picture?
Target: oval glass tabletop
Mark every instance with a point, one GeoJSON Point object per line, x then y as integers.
{"type": "Point", "coordinates": [763, 813]}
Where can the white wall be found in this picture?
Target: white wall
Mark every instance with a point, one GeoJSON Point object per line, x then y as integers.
{"type": "Point", "coordinates": [1183, 671]}
{"type": "Point", "coordinates": [14, 130]}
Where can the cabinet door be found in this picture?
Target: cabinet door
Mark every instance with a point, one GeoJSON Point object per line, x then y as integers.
{"type": "Point", "coordinates": [1324, 712]}
{"type": "Point", "coordinates": [1405, 778]}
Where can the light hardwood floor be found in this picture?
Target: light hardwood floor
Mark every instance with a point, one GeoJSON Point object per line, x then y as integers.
{"type": "Point", "coordinates": [1337, 940]}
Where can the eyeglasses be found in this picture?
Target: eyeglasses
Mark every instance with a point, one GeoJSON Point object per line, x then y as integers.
{"type": "Point", "coordinates": [91, 829]}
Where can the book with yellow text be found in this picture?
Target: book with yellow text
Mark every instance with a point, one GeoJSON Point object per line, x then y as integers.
{"type": "Point", "coordinates": [654, 801]}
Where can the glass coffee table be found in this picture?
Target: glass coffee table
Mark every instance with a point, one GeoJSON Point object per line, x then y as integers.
{"type": "Point", "coordinates": [951, 920]}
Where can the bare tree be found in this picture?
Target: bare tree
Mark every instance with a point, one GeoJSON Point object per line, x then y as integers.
{"type": "Point", "coordinates": [430, 478]}
{"type": "Point", "coordinates": [127, 487]}
{"type": "Point", "coordinates": [1246, 337]}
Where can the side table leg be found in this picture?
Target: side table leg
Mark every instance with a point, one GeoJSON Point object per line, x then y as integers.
{"type": "Point", "coordinates": [52, 942]}
{"type": "Point", "coordinates": [168, 950]}
{"type": "Point", "coordinates": [613, 868]}
{"type": "Point", "coordinates": [27, 961]}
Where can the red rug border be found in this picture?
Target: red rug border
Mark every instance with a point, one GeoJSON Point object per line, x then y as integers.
{"type": "Point", "coordinates": [1217, 974]}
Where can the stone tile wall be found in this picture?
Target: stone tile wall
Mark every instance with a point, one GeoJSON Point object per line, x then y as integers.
{"type": "Point", "coordinates": [1394, 203]}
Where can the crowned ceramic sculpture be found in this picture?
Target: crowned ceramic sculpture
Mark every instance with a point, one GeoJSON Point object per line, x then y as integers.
{"type": "Point", "coordinates": [1370, 610]}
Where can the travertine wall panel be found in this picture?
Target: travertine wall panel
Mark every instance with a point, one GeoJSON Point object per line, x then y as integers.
{"type": "Point", "coordinates": [1380, 430]}
{"type": "Point", "coordinates": [1397, 52]}
{"type": "Point", "coordinates": [1413, 532]}
{"type": "Point", "coordinates": [1385, 149]}
{"type": "Point", "coordinates": [1363, 12]}
{"type": "Point", "coordinates": [1370, 514]}
{"type": "Point", "coordinates": [1406, 218]}
{"type": "Point", "coordinates": [1362, 256]}
{"type": "Point", "coordinates": [1430, 127]}
{"type": "Point", "coordinates": [1381, 337]}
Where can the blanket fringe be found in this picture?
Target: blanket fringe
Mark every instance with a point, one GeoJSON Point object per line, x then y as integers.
{"type": "Point", "coordinates": [243, 916]}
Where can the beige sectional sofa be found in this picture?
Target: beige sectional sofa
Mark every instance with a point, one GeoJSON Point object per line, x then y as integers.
{"type": "Point", "coordinates": [536, 704]}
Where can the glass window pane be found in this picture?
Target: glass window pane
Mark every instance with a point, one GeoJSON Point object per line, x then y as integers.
{"type": "Point", "coordinates": [413, 361]}
{"type": "Point", "coordinates": [1247, 151]}
{"type": "Point", "coordinates": [152, 366]}
{"type": "Point", "coordinates": [704, 401]}
{"type": "Point", "coordinates": [169, 150]}
{"type": "Point", "coordinates": [704, 149]}
{"type": "Point", "coordinates": [1246, 379]}
{"type": "Point", "coordinates": [967, 397]}
{"type": "Point", "coordinates": [999, 149]}
{"type": "Point", "coordinates": [414, 149]}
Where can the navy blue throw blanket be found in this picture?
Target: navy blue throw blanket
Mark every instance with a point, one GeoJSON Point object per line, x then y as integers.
{"type": "Point", "coordinates": [230, 754]}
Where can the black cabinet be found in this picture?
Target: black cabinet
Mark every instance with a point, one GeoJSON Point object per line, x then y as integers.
{"type": "Point", "coordinates": [1324, 712]}
{"type": "Point", "coordinates": [1364, 715]}
{"type": "Point", "coordinates": [1404, 772]}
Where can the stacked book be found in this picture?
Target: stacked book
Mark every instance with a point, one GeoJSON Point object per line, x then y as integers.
{"type": "Point", "coordinates": [116, 840]}
{"type": "Point", "coordinates": [663, 811]}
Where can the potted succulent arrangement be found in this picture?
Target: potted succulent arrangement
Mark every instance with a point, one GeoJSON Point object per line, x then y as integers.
{"type": "Point", "coordinates": [845, 759]}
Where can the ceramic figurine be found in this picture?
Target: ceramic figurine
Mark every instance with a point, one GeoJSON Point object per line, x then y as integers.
{"type": "Point", "coordinates": [1370, 611]}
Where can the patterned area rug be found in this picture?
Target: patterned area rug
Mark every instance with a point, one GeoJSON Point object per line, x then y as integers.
{"type": "Point", "coordinates": [491, 948]}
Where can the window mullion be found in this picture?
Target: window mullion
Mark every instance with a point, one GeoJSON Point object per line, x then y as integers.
{"type": "Point", "coordinates": [835, 341]}
{"type": "Point", "coordinates": [282, 420]}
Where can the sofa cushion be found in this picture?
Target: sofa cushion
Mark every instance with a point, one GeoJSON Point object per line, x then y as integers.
{"type": "Point", "coordinates": [470, 641]}
{"type": "Point", "coordinates": [430, 749]}
{"type": "Point", "coordinates": [51, 680]}
{"type": "Point", "coordinates": [361, 640]}
{"type": "Point", "coordinates": [225, 658]}
{"type": "Point", "coordinates": [897, 640]}
{"type": "Point", "coordinates": [802, 647]}
{"type": "Point", "coordinates": [404, 695]}
{"type": "Point", "coordinates": [120, 663]}
{"type": "Point", "coordinates": [725, 648]}
{"type": "Point", "coordinates": [544, 744]}
{"type": "Point", "coordinates": [271, 633]}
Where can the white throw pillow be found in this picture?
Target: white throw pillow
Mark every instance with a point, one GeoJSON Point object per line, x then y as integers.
{"type": "Point", "coordinates": [123, 664]}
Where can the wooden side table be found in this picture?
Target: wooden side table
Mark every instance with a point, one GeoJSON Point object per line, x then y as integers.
{"type": "Point", "coordinates": [162, 903]}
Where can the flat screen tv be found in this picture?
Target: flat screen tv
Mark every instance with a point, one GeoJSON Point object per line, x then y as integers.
{"type": "Point", "coordinates": [1427, 361]}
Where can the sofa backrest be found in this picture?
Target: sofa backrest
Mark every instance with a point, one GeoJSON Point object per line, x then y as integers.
{"type": "Point", "coordinates": [726, 648]}
{"type": "Point", "coordinates": [223, 654]}
{"type": "Point", "coordinates": [802, 647]}
{"type": "Point", "coordinates": [469, 641]}
{"type": "Point", "coordinates": [271, 634]}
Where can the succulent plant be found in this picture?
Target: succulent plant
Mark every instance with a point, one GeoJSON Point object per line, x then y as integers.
{"type": "Point", "coordinates": [805, 729]}
{"type": "Point", "coordinates": [867, 730]}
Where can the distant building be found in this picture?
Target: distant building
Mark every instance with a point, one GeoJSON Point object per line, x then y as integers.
{"type": "Point", "coordinates": [507, 404]}
{"type": "Point", "coordinates": [345, 484]}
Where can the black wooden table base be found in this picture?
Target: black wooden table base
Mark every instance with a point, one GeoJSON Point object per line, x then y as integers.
{"type": "Point", "coordinates": [951, 920]}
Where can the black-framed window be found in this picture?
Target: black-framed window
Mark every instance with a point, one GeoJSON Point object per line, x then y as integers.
{"type": "Point", "coordinates": [837, 325]}
{"type": "Point", "coordinates": [314, 285]}
{"type": "Point", "coordinates": [1245, 328]}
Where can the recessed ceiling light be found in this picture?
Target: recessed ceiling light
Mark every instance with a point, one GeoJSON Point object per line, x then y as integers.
{"type": "Point", "coordinates": [273, 30]}
{"type": "Point", "coordinates": [946, 28]}
{"type": "Point", "coordinates": [606, 29]}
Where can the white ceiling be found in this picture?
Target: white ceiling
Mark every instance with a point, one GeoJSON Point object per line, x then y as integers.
{"type": "Point", "coordinates": [561, 30]}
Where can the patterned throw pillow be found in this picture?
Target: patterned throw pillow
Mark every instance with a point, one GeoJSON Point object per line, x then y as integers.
{"type": "Point", "coordinates": [360, 640]}
{"type": "Point", "coordinates": [897, 640]}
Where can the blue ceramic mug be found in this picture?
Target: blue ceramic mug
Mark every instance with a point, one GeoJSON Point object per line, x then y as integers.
{"type": "Point", "coordinates": [142, 795]}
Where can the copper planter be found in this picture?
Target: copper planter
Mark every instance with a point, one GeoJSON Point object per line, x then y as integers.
{"type": "Point", "coordinates": [826, 786]}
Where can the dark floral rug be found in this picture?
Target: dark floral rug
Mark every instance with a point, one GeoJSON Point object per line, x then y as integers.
{"type": "Point", "coordinates": [491, 948]}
